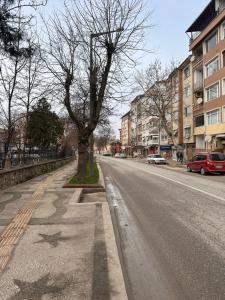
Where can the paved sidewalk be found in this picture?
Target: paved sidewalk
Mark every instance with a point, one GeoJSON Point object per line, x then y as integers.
{"type": "Point", "coordinates": [52, 247]}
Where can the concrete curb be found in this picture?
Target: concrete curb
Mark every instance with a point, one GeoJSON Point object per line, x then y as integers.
{"type": "Point", "coordinates": [76, 196]}
{"type": "Point", "coordinates": [117, 284]}
{"type": "Point", "coordinates": [101, 177]}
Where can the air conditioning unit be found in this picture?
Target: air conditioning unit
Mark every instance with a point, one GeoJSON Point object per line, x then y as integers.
{"type": "Point", "coordinates": [192, 58]}
{"type": "Point", "coordinates": [187, 136]}
{"type": "Point", "coordinates": [199, 100]}
{"type": "Point", "coordinates": [198, 94]}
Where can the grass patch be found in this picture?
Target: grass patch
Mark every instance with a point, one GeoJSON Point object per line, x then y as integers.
{"type": "Point", "coordinates": [88, 179]}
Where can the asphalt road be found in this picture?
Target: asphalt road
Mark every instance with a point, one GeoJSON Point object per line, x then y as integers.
{"type": "Point", "coordinates": [171, 230]}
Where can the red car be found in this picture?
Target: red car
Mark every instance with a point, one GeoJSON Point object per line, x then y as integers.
{"type": "Point", "coordinates": [207, 163]}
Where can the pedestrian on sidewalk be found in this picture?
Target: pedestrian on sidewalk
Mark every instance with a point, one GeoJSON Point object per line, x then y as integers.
{"type": "Point", "coordinates": [181, 157]}
{"type": "Point", "coordinates": [178, 156]}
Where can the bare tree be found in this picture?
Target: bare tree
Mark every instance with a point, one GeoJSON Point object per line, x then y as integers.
{"type": "Point", "coordinates": [33, 83]}
{"type": "Point", "coordinates": [14, 58]}
{"type": "Point", "coordinates": [89, 46]}
{"type": "Point", "coordinates": [10, 17]}
{"type": "Point", "coordinates": [103, 136]}
{"type": "Point", "coordinates": [160, 87]}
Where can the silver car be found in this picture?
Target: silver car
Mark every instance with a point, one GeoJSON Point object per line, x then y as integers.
{"type": "Point", "coordinates": [156, 159]}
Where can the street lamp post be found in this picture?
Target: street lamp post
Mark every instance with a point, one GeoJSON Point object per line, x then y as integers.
{"type": "Point", "coordinates": [93, 92]}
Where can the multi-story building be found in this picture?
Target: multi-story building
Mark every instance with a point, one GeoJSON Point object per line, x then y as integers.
{"type": "Point", "coordinates": [207, 43]}
{"type": "Point", "coordinates": [142, 131]}
{"type": "Point", "coordinates": [126, 133]}
{"type": "Point", "coordinates": [136, 125]}
{"type": "Point", "coordinates": [187, 111]}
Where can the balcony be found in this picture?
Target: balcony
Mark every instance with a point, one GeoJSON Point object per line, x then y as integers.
{"type": "Point", "coordinates": [198, 86]}
{"type": "Point", "coordinates": [221, 7]}
{"type": "Point", "coordinates": [197, 107]}
{"type": "Point", "coordinates": [197, 59]}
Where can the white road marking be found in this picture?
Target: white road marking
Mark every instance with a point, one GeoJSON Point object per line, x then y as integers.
{"type": "Point", "coordinates": [114, 194]}
{"type": "Point", "coordinates": [178, 182]}
{"type": "Point", "coordinates": [183, 184]}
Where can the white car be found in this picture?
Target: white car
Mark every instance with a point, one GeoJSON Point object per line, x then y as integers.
{"type": "Point", "coordinates": [156, 159]}
{"type": "Point", "coordinates": [120, 155]}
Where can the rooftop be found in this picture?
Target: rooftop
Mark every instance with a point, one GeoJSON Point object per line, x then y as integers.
{"type": "Point", "coordinates": [127, 114]}
{"type": "Point", "coordinates": [206, 16]}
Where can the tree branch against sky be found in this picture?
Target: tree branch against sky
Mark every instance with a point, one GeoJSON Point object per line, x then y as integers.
{"type": "Point", "coordinates": [68, 56]}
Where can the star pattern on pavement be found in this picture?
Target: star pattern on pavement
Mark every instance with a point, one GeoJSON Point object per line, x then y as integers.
{"type": "Point", "coordinates": [53, 239]}
{"type": "Point", "coordinates": [35, 290]}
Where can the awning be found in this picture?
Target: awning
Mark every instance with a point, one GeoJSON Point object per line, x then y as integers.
{"type": "Point", "coordinates": [206, 16]}
{"type": "Point", "coordinates": [221, 135]}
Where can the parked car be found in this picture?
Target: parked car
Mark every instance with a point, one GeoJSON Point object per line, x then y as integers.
{"type": "Point", "coordinates": [156, 159]}
{"type": "Point", "coordinates": [107, 154]}
{"type": "Point", "coordinates": [205, 162]}
{"type": "Point", "coordinates": [120, 155]}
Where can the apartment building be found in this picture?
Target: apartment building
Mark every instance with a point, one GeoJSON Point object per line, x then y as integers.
{"type": "Point", "coordinates": [125, 133]}
{"type": "Point", "coordinates": [187, 111]}
{"type": "Point", "coordinates": [136, 125]}
{"type": "Point", "coordinates": [207, 43]}
{"type": "Point", "coordinates": [141, 133]}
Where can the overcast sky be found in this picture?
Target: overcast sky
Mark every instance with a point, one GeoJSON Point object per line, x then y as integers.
{"type": "Point", "coordinates": [167, 39]}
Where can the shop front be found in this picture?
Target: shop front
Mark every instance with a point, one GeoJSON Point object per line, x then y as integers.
{"type": "Point", "coordinates": [166, 151]}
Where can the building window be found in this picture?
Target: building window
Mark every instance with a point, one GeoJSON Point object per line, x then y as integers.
{"type": "Point", "coordinates": [187, 72]}
{"type": "Point", "coordinates": [187, 132]}
{"type": "Point", "coordinates": [187, 91]}
{"type": "Point", "coordinates": [199, 121]}
{"type": "Point", "coordinates": [223, 86]}
{"type": "Point", "coordinates": [211, 42]}
{"type": "Point", "coordinates": [223, 31]}
{"type": "Point", "coordinates": [187, 111]}
{"type": "Point", "coordinates": [223, 58]}
{"type": "Point", "coordinates": [212, 92]}
{"type": "Point", "coordinates": [213, 117]}
{"type": "Point", "coordinates": [163, 137]}
{"type": "Point", "coordinates": [212, 67]}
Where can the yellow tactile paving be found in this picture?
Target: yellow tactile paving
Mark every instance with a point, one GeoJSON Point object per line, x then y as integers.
{"type": "Point", "coordinates": [15, 230]}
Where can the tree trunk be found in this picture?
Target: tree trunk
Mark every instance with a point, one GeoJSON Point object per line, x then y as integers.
{"type": "Point", "coordinates": [82, 158]}
{"type": "Point", "coordinates": [91, 154]}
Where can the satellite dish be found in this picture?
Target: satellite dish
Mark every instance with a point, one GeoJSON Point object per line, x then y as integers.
{"type": "Point", "coordinates": [192, 58]}
{"type": "Point", "coordinates": [199, 100]}
{"type": "Point", "coordinates": [208, 138]}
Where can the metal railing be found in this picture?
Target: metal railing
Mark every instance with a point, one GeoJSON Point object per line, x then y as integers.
{"type": "Point", "coordinates": [29, 155]}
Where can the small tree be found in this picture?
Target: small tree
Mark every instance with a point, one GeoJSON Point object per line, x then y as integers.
{"type": "Point", "coordinates": [102, 138]}
{"type": "Point", "coordinates": [44, 126]}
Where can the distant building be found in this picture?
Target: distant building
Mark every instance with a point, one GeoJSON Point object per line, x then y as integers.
{"type": "Point", "coordinates": [126, 133]}
{"type": "Point", "coordinates": [187, 111]}
{"type": "Point", "coordinates": [115, 146]}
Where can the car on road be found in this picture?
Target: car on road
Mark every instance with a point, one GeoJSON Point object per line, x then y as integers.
{"type": "Point", "coordinates": [156, 159]}
{"type": "Point", "coordinates": [120, 155]}
{"type": "Point", "coordinates": [205, 163]}
{"type": "Point", "coordinates": [107, 154]}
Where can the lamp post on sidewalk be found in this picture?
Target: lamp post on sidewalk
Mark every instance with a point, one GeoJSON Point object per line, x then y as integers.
{"type": "Point", "coordinates": [93, 91]}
